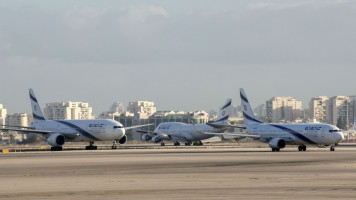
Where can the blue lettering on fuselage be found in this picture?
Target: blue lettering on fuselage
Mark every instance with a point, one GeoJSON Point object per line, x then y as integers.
{"type": "Point", "coordinates": [96, 125]}
{"type": "Point", "coordinates": [313, 128]}
{"type": "Point", "coordinates": [164, 126]}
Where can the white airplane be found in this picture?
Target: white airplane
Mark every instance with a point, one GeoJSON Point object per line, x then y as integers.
{"type": "Point", "coordinates": [57, 132]}
{"type": "Point", "coordinates": [181, 132]}
{"type": "Point", "coordinates": [278, 135]}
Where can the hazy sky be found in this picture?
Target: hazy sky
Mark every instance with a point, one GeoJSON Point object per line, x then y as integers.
{"type": "Point", "coordinates": [184, 55]}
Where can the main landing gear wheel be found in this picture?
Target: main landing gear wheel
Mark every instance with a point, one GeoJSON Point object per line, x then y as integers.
{"type": "Point", "coordinates": [332, 149]}
{"type": "Point", "coordinates": [302, 148]}
{"type": "Point", "coordinates": [113, 144]}
{"type": "Point", "coordinates": [176, 144]}
{"type": "Point", "coordinates": [199, 143]}
{"type": "Point", "coordinates": [91, 146]}
{"type": "Point", "coordinates": [275, 149]}
{"type": "Point", "coordinates": [188, 143]}
{"type": "Point", "coordinates": [56, 148]}
{"type": "Point", "coordinates": [163, 144]}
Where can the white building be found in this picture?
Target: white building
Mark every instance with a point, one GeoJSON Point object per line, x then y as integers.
{"type": "Point", "coordinates": [68, 110]}
{"type": "Point", "coordinates": [317, 109]}
{"type": "Point", "coordinates": [340, 111]}
{"type": "Point", "coordinates": [283, 109]}
{"type": "Point", "coordinates": [19, 119]}
{"type": "Point", "coordinates": [142, 109]}
{"type": "Point", "coordinates": [3, 113]}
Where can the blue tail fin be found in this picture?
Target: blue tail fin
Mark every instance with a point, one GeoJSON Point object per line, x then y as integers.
{"type": "Point", "coordinates": [36, 109]}
{"type": "Point", "coordinates": [249, 117]}
{"type": "Point", "coordinates": [223, 115]}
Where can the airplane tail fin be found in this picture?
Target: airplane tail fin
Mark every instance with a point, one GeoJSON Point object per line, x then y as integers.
{"type": "Point", "coordinates": [249, 117]}
{"type": "Point", "coordinates": [36, 109]}
{"type": "Point", "coordinates": [223, 115]}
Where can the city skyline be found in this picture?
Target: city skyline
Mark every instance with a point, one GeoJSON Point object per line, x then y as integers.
{"type": "Point", "coordinates": [305, 105]}
{"type": "Point", "coordinates": [178, 54]}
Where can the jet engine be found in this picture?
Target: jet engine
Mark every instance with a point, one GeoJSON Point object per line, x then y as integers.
{"type": "Point", "coordinates": [277, 143]}
{"type": "Point", "coordinates": [56, 139]}
{"type": "Point", "coordinates": [146, 137]}
{"type": "Point", "coordinates": [123, 140]}
{"type": "Point", "coordinates": [156, 139]}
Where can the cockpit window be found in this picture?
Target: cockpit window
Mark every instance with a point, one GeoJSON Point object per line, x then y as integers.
{"type": "Point", "coordinates": [115, 127]}
{"type": "Point", "coordinates": [334, 130]}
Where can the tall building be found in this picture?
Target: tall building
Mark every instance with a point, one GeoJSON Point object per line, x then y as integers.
{"type": "Point", "coordinates": [117, 107]}
{"type": "Point", "coordinates": [19, 119]}
{"type": "Point", "coordinates": [260, 112]}
{"type": "Point", "coordinates": [283, 109]}
{"type": "Point", "coordinates": [68, 110]}
{"type": "Point", "coordinates": [115, 110]}
{"type": "Point", "coordinates": [353, 103]}
{"type": "Point", "coordinates": [142, 109]}
{"type": "Point", "coordinates": [3, 113]}
{"type": "Point", "coordinates": [340, 111]}
{"type": "Point", "coordinates": [318, 108]}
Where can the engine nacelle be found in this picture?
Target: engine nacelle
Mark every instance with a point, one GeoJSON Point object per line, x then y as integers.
{"type": "Point", "coordinates": [277, 143]}
{"type": "Point", "coordinates": [146, 137]}
{"type": "Point", "coordinates": [156, 139]}
{"type": "Point", "coordinates": [56, 139]}
{"type": "Point", "coordinates": [123, 140]}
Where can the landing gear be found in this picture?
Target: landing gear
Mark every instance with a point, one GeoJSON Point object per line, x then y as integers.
{"type": "Point", "coordinates": [113, 144]}
{"type": "Point", "coordinates": [188, 143]}
{"type": "Point", "coordinates": [275, 149]}
{"type": "Point", "coordinates": [163, 144]}
{"type": "Point", "coordinates": [302, 148]}
{"type": "Point", "coordinates": [199, 143]}
{"type": "Point", "coordinates": [56, 148]}
{"type": "Point", "coordinates": [176, 143]}
{"type": "Point", "coordinates": [332, 149]}
{"type": "Point", "coordinates": [91, 146]}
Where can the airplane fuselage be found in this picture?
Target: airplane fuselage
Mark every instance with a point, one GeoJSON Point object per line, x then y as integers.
{"type": "Point", "coordinates": [186, 132]}
{"type": "Point", "coordinates": [299, 134]}
{"type": "Point", "coordinates": [83, 130]}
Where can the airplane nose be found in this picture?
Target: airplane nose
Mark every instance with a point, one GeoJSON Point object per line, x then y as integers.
{"type": "Point", "coordinates": [122, 132]}
{"type": "Point", "coordinates": [339, 136]}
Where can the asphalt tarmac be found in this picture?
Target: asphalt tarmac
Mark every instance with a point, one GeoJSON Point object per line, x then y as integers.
{"type": "Point", "coordinates": [180, 173]}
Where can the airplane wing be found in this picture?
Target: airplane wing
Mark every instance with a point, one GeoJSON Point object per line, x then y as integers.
{"type": "Point", "coordinates": [138, 126]}
{"type": "Point", "coordinates": [228, 134]}
{"type": "Point", "coordinates": [26, 131]}
{"type": "Point", "coordinates": [223, 126]}
{"type": "Point", "coordinates": [234, 134]}
{"type": "Point", "coordinates": [150, 133]}
{"type": "Point", "coordinates": [41, 132]}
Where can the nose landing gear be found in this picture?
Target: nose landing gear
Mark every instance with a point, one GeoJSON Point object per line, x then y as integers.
{"type": "Point", "coordinates": [113, 144]}
{"type": "Point", "coordinates": [91, 146]}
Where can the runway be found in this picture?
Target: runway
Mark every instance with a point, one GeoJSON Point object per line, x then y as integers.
{"type": "Point", "coordinates": [224, 173]}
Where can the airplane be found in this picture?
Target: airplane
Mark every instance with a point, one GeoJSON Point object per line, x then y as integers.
{"type": "Point", "coordinates": [279, 135]}
{"type": "Point", "coordinates": [57, 132]}
{"type": "Point", "coordinates": [182, 132]}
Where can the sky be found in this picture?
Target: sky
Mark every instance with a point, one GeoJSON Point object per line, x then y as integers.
{"type": "Point", "coordinates": [183, 55]}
